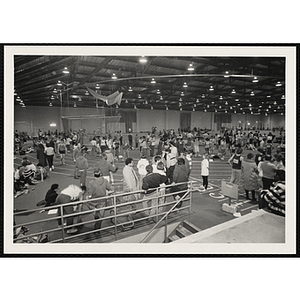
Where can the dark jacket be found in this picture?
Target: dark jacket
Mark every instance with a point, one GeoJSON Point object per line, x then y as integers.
{"type": "Point", "coordinates": [152, 181]}
{"type": "Point", "coordinates": [50, 197]}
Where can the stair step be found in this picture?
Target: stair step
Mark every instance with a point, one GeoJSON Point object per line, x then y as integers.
{"type": "Point", "coordinates": [183, 232]}
{"type": "Point", "coordinates": [174, 238]}
{"type": "Point", "coordinates": [191, 227]}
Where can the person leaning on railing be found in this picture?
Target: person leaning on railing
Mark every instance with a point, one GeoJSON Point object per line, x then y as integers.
{"type": "Point", "coordinates": [69, 195]}
{"type": "Point", "coordinates": [150, 185]}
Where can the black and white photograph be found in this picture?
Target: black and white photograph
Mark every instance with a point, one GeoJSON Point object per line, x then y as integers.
{"type": "Point", "coordinates": [138, 149]}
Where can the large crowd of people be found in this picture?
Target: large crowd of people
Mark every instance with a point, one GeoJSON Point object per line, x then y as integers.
{"type": "Point", "coordinates": [166, 158]}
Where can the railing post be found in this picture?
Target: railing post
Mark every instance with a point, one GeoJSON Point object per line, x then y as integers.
{"type": "Point", "coordinates": [115, 216]}
{"type": "Point", "coordinates": [62, 223]}
{"type": "Point", "coordinates": [191, 197]}
{"type": "Point", "coordinates": [166, 229]}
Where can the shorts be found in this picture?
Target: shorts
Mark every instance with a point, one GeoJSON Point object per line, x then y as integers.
{"type": "Point", "coordinates": [62, 151]}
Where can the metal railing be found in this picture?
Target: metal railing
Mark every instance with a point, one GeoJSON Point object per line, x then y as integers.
{"type": "Point", "coordinates": [120, 205]}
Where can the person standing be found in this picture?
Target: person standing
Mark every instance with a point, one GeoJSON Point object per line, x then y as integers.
{"type": "Point", "coordinates": [236, 164]}
{"type": "Point", "coordinates": [49, 151]}
{"type": "Point", "coordinates": [105, 167]}
{"type": "Point", "coordinates": [40, 154]}
{"type": "Point", "coordinates": [62, 150]}
{"type": "Point", "coordinates": [205, 170]}
{"type": "Point", "coordinates": [141, 166]}
{"type": "Point", "coordinates": [180, 175]}
{"type": "Point", "coordinates": [250, 176]}
{"type": "Point", "coordinates": [82, 165]}
{"type": "Point", "coordinates": [98, 187]}
{"type": "Point", "coordinates": [268, 171]}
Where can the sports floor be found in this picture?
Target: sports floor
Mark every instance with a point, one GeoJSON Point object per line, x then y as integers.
{"type": "Point", "coordinates": [206, 205]}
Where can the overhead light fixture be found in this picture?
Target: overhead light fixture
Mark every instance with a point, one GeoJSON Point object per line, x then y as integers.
{"type": "Point", "coordinates": [193, 109]}
{"type": "Point", "coordinates": [97, 86]}
{"type": "Point", "coordinates": [269, 96]}
{"type": "Point", "coordinates": [126, 101]}
{"type": "Point", "coordinates": [252, 93]}
{"type": "Point", "coordinates": [202, 96]}
{"type": "Point", "coordinates": [161, 98]}
{"type": "Point", "coordinates": [237, 100]}
{"type": "Point", "coordinates": [167, 107]}
{"type": "Point", "coordinates": [130, 89]}
{"type": "Point", "coordinates": [18, 98]}
{"type": "Point", "coordinates": [221, 97]}
{"type": "Point", "coordinates": [180, 99]}
{"type": "Point", "coordinates": [52, 125]}
{"type": "Point", "coordinates": [226, 74]}
{"type": "Point", "coordinates": [226, 103]}
{"type": "Point", "coordinates": [151, 107]}
{"type": "Point", "coordinates": [207, 105]}
{"type": "Point", "coordinates": [190, 67]}
{"type": "Point", "coordinates": [79, 99]}
{"type": "Point", "coordinates": [180, 108]}
{"type": "Point", "coordinates": [182, 94]}
{"type": "Point", "coordinates": [55, 91]}
{"type": "Point", "coordinates": [255, 80]}
{"type": "Point", "coordinates": [153, 80]}
{"type": "Point", "coordinates": [211, 88]}
{"type": "Point", "coordinates": [275, 103]}
{"type": "Point", "coordinates": [59, 83]}
{"type": "Point", "coordinates": [216, 110]}
{"type": "Point", "coordinates": [205, 110]}
{"type": "Point", "coordinates": [195, 105]}
{"type": "Point", "coordinates": [282, 97]}
{"type": "Point", "coordinates": [139, 96]}
{"type": "Point", "coordinates": [86, 93]}
{"type": "Point", "coordinates": [50, 104]}
{"type": "Point", "coordinates": [134, 106]}
{"type": "Point", "coordinates": [143, 60]}
{"type": "Point", "coordinates": [233, 91]}
{"type": "Point", "coordinates": [278, 83]}
{"type": "Point", "coordinates": [250, 104]}
{"type": "Point", "coordinates": [146, 102]}
{"type": "Point", "coordinates": [197, 101]}
{"type": "Point", "coordinates": [75, 105]}
{"type": "Point", "coordinates": [114, 76]}
{"type": "Point", "coordinates": [65, 70]}
{"type": "Point", "coordinates": [185, 85]}
{"type": "Point", "coordinates": [158, 92]}
{"type": "Point", "coordinates": [180, 104]}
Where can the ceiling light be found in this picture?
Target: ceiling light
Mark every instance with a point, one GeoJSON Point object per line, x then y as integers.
{"type": "Point", "coordinates": [50, 104]}
{"type": "Point", "coordinates": [195, 105]}
{"type": "Point", "coordinates": [134, 106]}
{"type": "Point", "coordinates": [161, 98]}
{"type": "Point", "coordinates": [250, 104]}
{"type": "Point", "coordinates": [211, 88]}
{"type": "Point", "coordinates": [182, 94]}
{"type": "Point", "coordinates": [180, 108]}
{"type": "Point", "coordinates": [278, 83]}
{"type": "Point", "coordinates": [97, 86]}
{"type": "Point", "coordinates": [226, 103]}
{"type": "Point", "coordinates": [167, 108]}
{"type": "Point", "coordinates": [185, 85]}
{"type": "Point", "coordinates": [197, 100]}
{"type": "Point", "coordinates": [205, 110]}
{"type": "Point", "coordinates": [202, 96]}
{"type": "Point", "coordinates": [126, 101]}
{"type": "Point", "coordinates": [151, 107]}
{"type": "Point", "coordinates": [130, 89]}
{"type": "Point", "coordinates": [255, 79]}
{"type": "Point", "coordinates": [180, 104]}
{"type": "Point", "coordinates": [143, 60]}
{"type": "Point", "coordinates": [190, 67]}
{"type": "Point", "coordinates": [221, 97]}
{"type": "Point", "coordinates": [52, 125]}
{"type": "Point", "coordinates": [146, 102]}
{"type": "Point", "coordinates": [86, 93]}
{"type": "Point", "coordinates": [275, 103]}
{"type": "Point", "coordinates": [193, 109]}
{"type": "Point", "coordinates": [114, 76]}
{"type": "Point", "coordinates": [252, 93]}
{"type": "Point", "coordinates": [226, 74]}
{"type": "Point", "coordinates": [139, 96]}
{"type": "Point", "coordinates": [282, 97]}
{"type": "Point", "coordinates": [216, 110]}
{"type": "Point", "coordinates": [75, 105]}
{"type": "Point", "coordinates": [225, 111]}
{"type": "Point", "coordinates": [153, 80]}
{"type": "Point", "coordinates": [180, 99]}
{"type": "Point", "coordinates": [66, 71]}
{"type": "Point", "coordinates": [269, 96]}
{"type": "Point", "coordinates": [233, 91]}
{"type": "Point", "coordinates": [79, 99]}
{"type": "Point", "coordinates": [18, 98]}
{"type": "Point", "coordinates": [59, 83]}
{"type": "Point", "coordinates": [207, 106]}
{"type": "Point", "coordinates": [55, 91]}
{"type": "Point", "coordinates": [158, 92]}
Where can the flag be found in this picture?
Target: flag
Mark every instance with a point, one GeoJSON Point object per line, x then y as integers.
{"type": "Point", "coordinates": [111, 99]}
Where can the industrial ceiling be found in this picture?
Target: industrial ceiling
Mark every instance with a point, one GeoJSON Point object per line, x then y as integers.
{"type": "Point", "coordinates": [224, 84]}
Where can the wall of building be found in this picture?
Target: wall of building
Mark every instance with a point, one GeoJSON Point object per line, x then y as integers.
{"type": "Point", "coordinates": [32, 118]}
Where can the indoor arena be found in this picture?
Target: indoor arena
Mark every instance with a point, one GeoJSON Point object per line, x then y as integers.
{"type": "Point", "coordinates": [170, 147]}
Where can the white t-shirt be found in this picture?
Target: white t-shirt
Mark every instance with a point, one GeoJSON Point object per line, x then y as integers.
{"type": "Point", "coordinates": [204, 167]}
{"type": "Point", "coordinates": [141, 166]}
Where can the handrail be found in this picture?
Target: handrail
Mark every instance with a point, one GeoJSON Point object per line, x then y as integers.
{"type": "Point", "coordinates": [112, 207]}
{"type": "Point", "coordinates": [165, 216]}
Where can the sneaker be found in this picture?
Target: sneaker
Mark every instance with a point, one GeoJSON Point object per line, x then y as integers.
{"type": "Point", "coordinates": [72, 230]}
{"type": "Point", "coordinates": [50, 169]}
